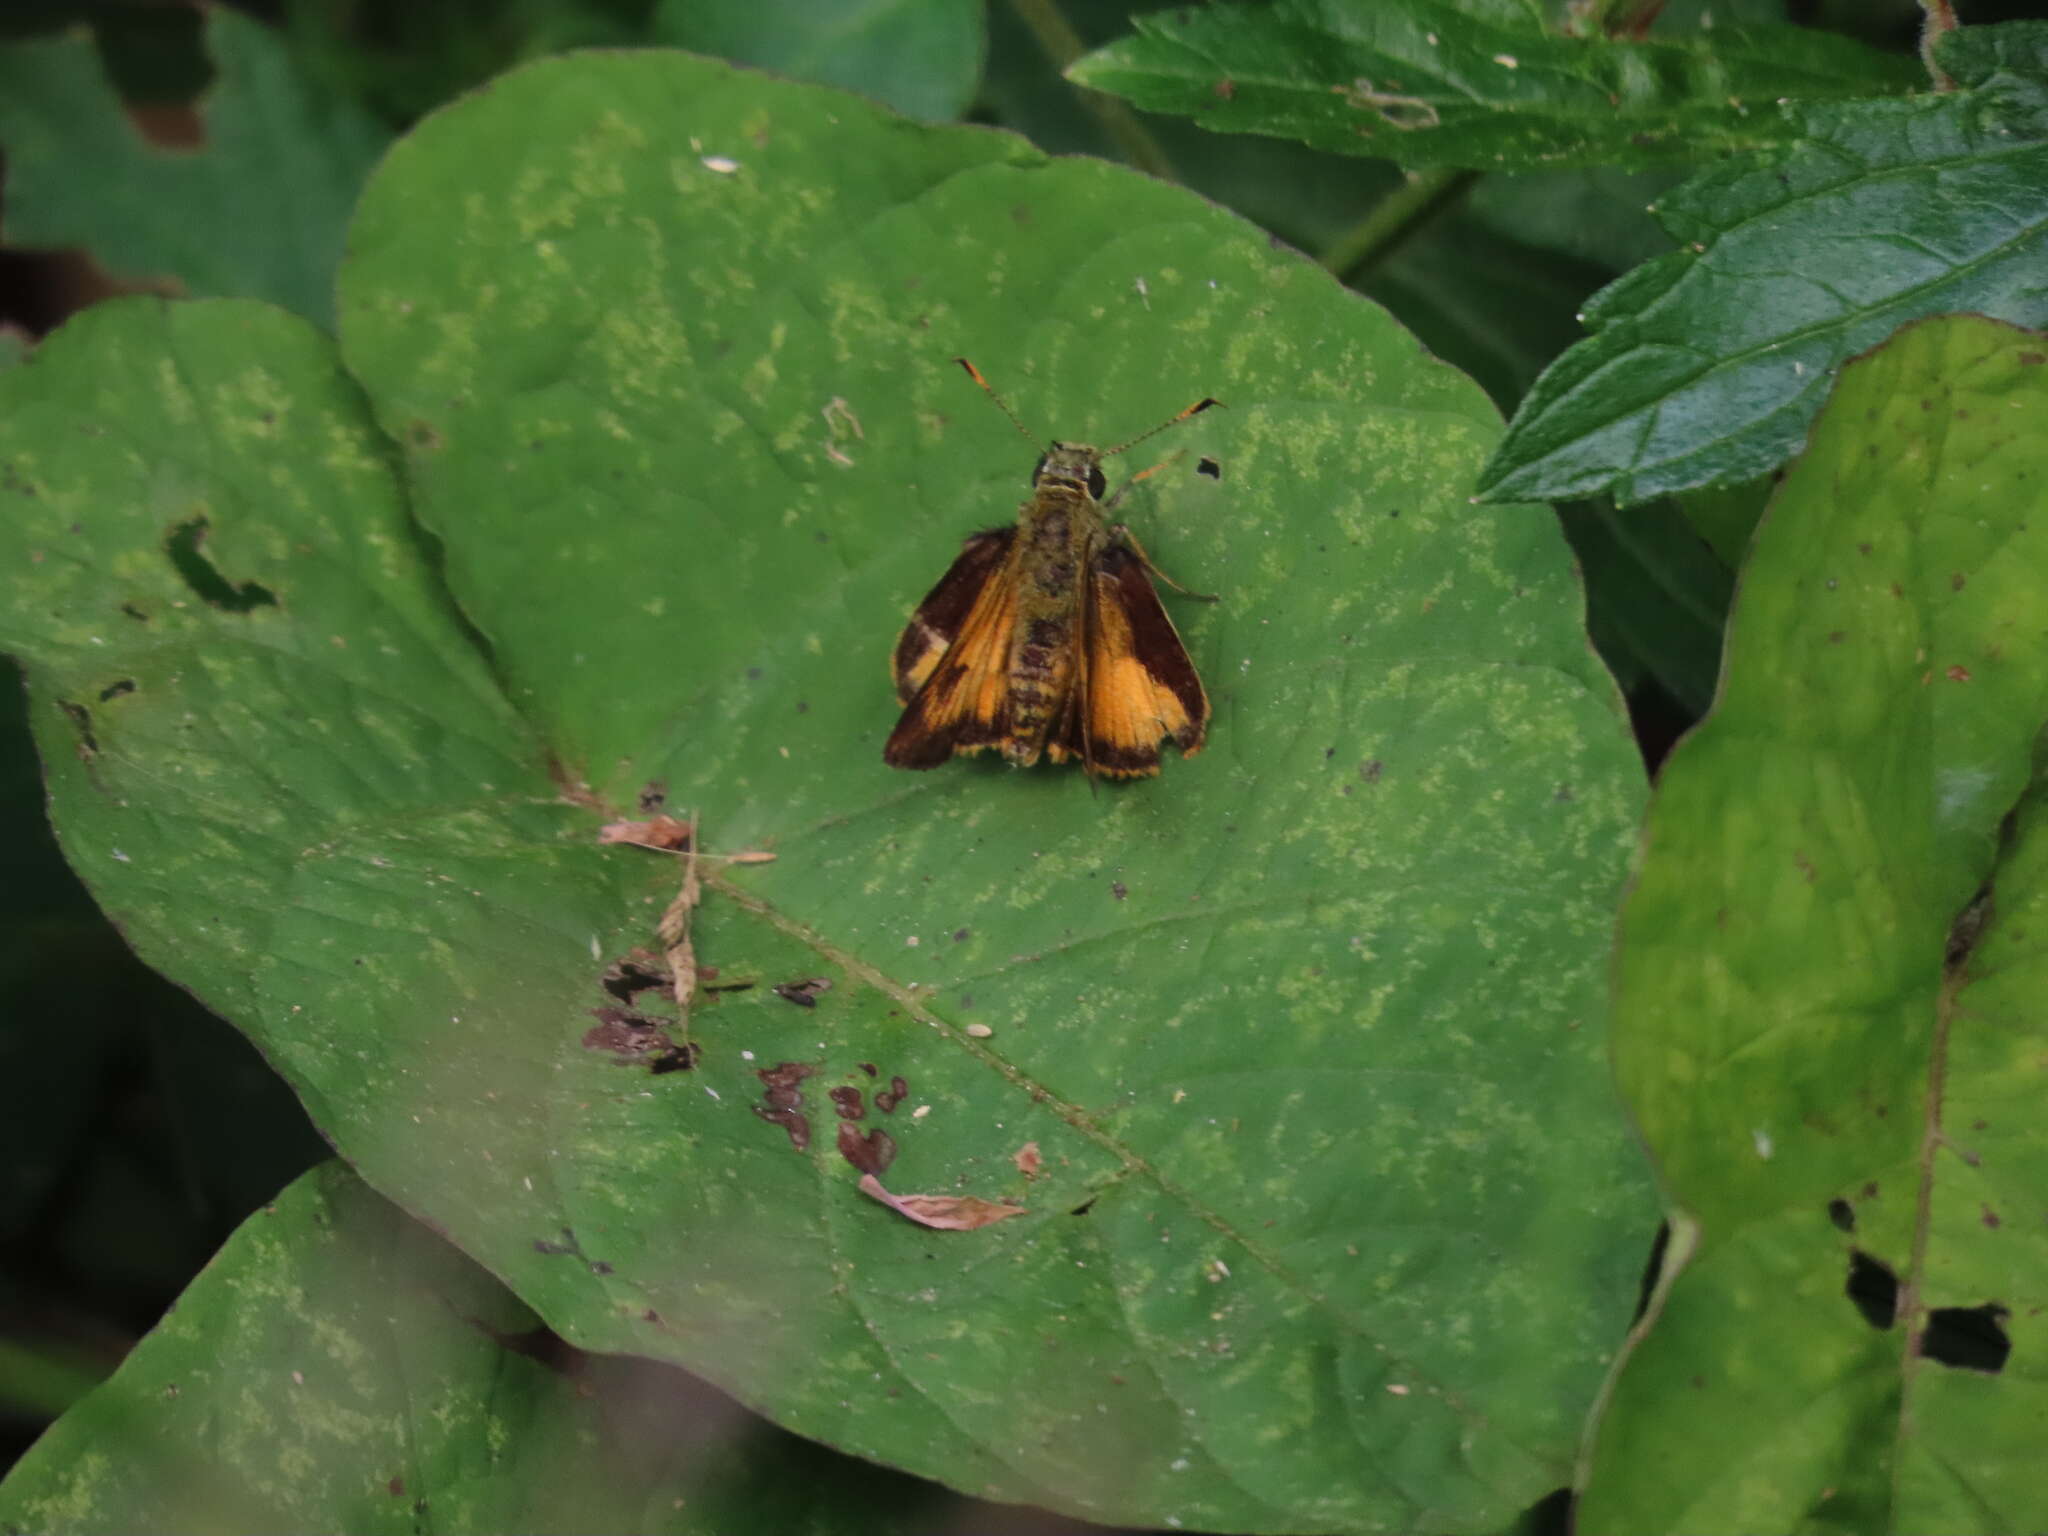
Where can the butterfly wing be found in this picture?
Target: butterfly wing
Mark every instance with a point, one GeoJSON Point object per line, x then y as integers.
{"type": "Point", "coordinates": [952, 663]}
{"type": "Point", "coordinates": [1140, 684]}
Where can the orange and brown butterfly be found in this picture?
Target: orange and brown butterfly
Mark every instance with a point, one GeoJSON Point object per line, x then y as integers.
{"type": "Point", "coordinates": [1047, 638]}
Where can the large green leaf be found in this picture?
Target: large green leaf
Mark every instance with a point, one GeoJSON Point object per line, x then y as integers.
{"type": "Point", "coordinates": [1483, 84]}
{"type": "Point", "coordinates": [1830, 990]}
{"type": "Point", "coordinates": [337, 1367]}
{"type": "Point", "coordinates": [256, 212]}
{"type": "Point", "coordinates": [1707, 365]}
{"type": "Point", "coordinates": [1335, 1226]}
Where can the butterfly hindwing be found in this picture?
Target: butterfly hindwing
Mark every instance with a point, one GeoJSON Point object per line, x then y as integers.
{"type": "Point", "coordinates": [1140, 684]}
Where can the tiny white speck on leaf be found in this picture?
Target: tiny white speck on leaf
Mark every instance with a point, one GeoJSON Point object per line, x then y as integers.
{"type": "Point", "coordinates": [720, 164]}
{"type": "Point", "coordinates": [1764, 1145]}
{"type": "Point", "coordinates": [122, 857]}
{"type": "Point", "coordinates": [1507, 61]}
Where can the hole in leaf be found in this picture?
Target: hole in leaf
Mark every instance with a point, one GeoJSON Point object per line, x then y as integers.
{"type": "Point", "coordinates": [1210, 468]}
{"type": "Point", "coordinates": [204, 578]}
{"type": "Point", "coordinates": [1973, 1338]}
{"type": "Point", "coordinates": [1842, 1214]}
{"type": "Point", "coordinates": [1874, 1289]}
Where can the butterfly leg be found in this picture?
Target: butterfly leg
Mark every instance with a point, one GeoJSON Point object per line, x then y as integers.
{"type": "Point", "coordinates": [1123, 533]}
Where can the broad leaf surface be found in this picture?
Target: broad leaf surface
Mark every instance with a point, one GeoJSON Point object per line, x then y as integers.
{"type": "Point", "coordinates": [1487, 87]}
{"type": "Point", "coordinates": [1833, 1046]}
{"type": "Point", "coordinates": [922, 57]}
{"type": "Point", "coordinates": [256, 212]}
{"type": "Point", "coordinates": [1706, 366]}
{"type": "Point", "coordinates": [338, 1367]}
{"type": "Point", "coordinates": [1335, 1225]}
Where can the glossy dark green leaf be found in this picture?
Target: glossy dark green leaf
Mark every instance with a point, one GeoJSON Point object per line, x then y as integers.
{"type": "Point", "coordinates": [256, 211]}
{"type": "Point", "coordinates": [1485, 86]}
{"type": "Point", "coordinates": [1332, 1223]}
{"type": "Point", "coordinates": [338, 1367]}
{"type": "Point", "coordinates": [1706, 366]}
{"type": "Point", "coordinates": [1830, 991]}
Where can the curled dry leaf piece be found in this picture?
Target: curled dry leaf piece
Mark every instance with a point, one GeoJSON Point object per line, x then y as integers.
{"type": "Point", "coordinates": [663, 832]}
{"type": "Point", "coordinates": [948, 1213]}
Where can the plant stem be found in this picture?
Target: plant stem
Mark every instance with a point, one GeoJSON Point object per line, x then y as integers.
{"type": "Point", "coordinates": [1940, 20]}
{"type": "Point", "coordinates": [1393, 220]}
{"type": "Point", "coordinates": [1063, 45]}
{"type": "Point", "coordinates": [41, 1383]}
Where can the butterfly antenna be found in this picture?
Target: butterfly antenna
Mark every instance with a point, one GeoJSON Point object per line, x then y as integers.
{"type": "Point", "coordinates": [974, 373]}
{"type": "Point", "coordinates": [1172, 421]}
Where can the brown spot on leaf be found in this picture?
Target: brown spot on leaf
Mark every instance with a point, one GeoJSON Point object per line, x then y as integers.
{"type": "Point", "coordinates": [847, 1104]}
{"type": "Point", "coordinates": [871, 1154]}
{"type": "Point", "coordinates": [803, 993]}
{"type": "Point", "coordinates": [886, 1099]}
{"type": "Point", "coordinates": [1028, 1159]}
{"type": "Point", "coordinates": [1959, 674]}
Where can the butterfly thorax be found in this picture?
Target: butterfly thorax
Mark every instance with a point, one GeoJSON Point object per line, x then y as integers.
{"type": "Point", "coordinates": [1058, 532]}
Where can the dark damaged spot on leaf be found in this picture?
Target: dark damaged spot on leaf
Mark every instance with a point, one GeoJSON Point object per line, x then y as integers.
{"type": "Point", "coordinates": [568, 1244]}
{"type": "Point", "coordinates": [803, 993]}
{"type": "Point", "coordinates": [847, 1103]}
{"type": "Point", "coordinates": [81, 722]}
{"type": "Point", "coordinates": [1085, 1206]}
{"type": "Point", "coordinates": [422, 436]}
{"type": "Point", "coordinates": [188, 558]}
{"type": "Point", "coordinates": [653, 797]}
{"type": "Point", "coordinates": [872, 1153]}
{"type": "Point", "coordinates": [117, 689]}
{"type": "Point", "coordinates": [135, 613]}
{"type": "Point", "coordinates": [1968, 1338]}
{"type": "Point", "coordinates": [870, 1068]}
{"type": "Point", "coordinates": [638, 1038]}
{"type": "Point", "coordinates": [679, 1058]}
{"type": "Point", "coordinates": [1842, 1214]}
{"type": "Point", "coordinates": [1118, 889]}
{"type": "Point", "coordinates": [886, 1099]}
{"type": "Point", "coordinates": [1210, 468]}
{"type": "Point", "coordinates": [1874, 1288]}
{"type": "Point", "coordinates": [639, 971]}
{"type": "Point", "coordinates": [782, 1100]}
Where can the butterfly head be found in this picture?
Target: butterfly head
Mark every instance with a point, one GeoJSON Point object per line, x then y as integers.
{"type": "Point", "coordinates": [1075, 467]}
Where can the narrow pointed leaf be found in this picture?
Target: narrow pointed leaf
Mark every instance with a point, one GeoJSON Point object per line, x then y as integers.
{"type": "Point", "coordinates": [1706, 366]}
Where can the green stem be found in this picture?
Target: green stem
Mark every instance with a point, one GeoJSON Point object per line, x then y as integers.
{"type": "Point", "coordinates": [1063, 45]}
{"type": "Point", "coordinates": [1393, 220]}
{"type": "Point", "coordinates": [41, 1384]}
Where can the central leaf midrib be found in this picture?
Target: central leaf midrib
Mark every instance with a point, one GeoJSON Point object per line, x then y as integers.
{"type": "Point", "coordinates": [1079, 1120]}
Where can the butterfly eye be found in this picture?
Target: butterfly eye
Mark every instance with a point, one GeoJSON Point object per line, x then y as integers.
{"type": "Point", "coordinates": [1096, 483]}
